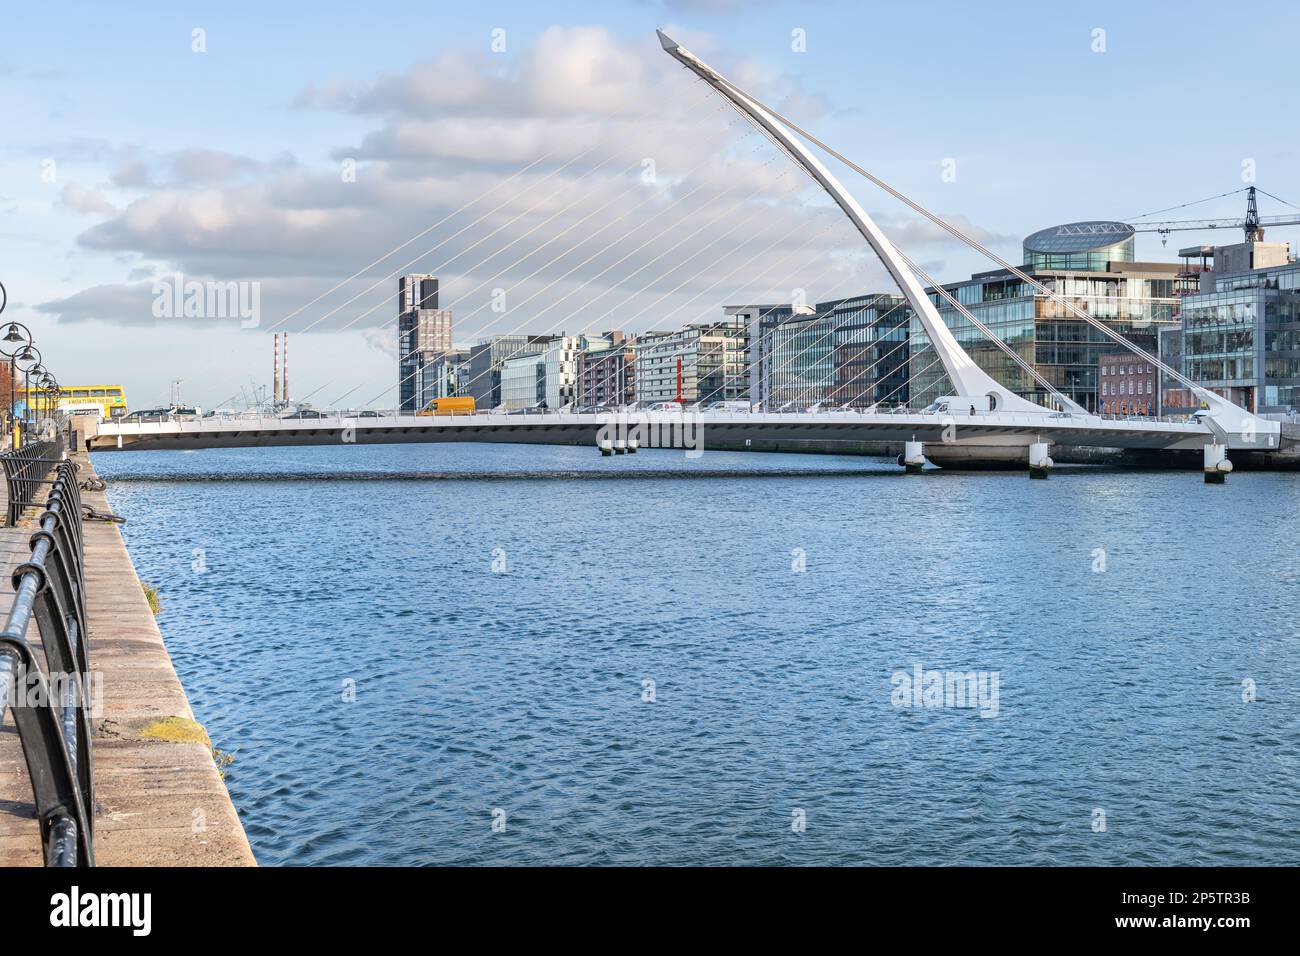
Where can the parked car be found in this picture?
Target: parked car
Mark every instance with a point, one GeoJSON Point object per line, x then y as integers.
{"type": "Point", "coordinates": [149, 415]}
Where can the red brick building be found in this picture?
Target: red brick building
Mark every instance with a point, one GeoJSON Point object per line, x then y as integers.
{"type": "Point", "coordinates": [1126, 385]}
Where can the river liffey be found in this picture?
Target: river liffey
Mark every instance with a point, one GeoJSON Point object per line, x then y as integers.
{"type": "Point", "coordinates": [522, 655]}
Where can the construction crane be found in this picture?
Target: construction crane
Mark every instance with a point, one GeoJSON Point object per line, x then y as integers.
{"type": "Point", "coordinates": [1252, 226]}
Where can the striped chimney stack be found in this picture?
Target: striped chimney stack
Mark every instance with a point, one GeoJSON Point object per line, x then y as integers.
{"type": "Point", "coordinates": [280, 377]}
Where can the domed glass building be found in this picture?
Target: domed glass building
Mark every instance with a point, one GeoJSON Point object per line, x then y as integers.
{"type": "Point", "coordinates": [1087, 246]}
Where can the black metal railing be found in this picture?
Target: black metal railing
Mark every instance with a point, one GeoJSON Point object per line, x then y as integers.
{"type": "Point", "coordinates": [27, 471]}
{"type": "Point", "coordinates": [51, 706]}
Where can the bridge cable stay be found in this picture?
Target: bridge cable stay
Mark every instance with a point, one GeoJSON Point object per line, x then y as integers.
{"type": "Point", "coordinates": [459, 232]}
{"type": "Point", "coordinates": [442, 265]}
{"type": "Point", "coordinates": [596, 321]}
{"type": "Point", "coordinates": [520, 329]}
{"type": "Point", "coordinates": [419, 235]}
{"type": "Point", "coordinates": [812, 236]}
{"type": "Point", "coordinates": [610, 311]}
{"type": "Point", "coordinates": [679, 201]}
{"type": "Point", "coordinates": [635, 187]}
{"type": "Point", "coordinates": [629, 298]}
{"type": "Point", "coordinates": [531, 319]}
{"type": "Point", "coordinates": [521, 259]}
{"type": "Point", "coordinates": [509, 222]}
{"type": "Point", "coordinates": [438, 245]}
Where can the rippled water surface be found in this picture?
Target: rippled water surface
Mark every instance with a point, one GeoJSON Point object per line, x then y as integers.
{"type": "Point", "coordinates": [1120, 691]}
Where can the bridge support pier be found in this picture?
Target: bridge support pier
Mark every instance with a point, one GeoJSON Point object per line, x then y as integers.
{"type": "Point", "coordinates": [606, 446]}
{"type": "Point", "coordinates": [620, 446]}
{"type": "Point", "coordinates": [913, 457]}
{"type": "Point", "coordinates": [632, 445]}
{"type": "Point", "coordinates": [1217, 465]}
{"type": "Point", "coordinates": [1040, 462]}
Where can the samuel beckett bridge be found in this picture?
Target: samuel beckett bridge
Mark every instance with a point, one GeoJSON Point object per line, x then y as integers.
{"type": "Point", "coordinates": [978, 422]}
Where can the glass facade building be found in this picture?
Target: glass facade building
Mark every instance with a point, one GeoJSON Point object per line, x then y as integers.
{"type": "Point", "coordinates": [1087, 246]}
{"type": "Point", "coordinates": [481, 375]}
{"type": "Point", "coordinates": [1134, 299]}
{"type": "Point", "coordinates": [1240, 336]}
{"type": "Point", "coordinates": [423, 337]}
{"type": "Point", "coordinates": [850, 352]}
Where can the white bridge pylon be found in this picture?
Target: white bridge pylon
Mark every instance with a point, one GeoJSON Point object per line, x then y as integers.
{"type": "Point", "coordinates": [968, 379]}
{"type": "Point", "coordinates": [1232, 425]}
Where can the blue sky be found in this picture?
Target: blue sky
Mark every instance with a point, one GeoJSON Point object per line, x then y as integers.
{"type": "Point", "coordinates": [220, 164]}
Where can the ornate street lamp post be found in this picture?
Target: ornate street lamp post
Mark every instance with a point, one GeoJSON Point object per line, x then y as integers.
{"type": "Point", "coordinates": [16, 338]}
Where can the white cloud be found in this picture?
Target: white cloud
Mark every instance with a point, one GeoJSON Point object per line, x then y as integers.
{"type": "Point", "coordinates": [578, 239]}
{"type": "Point", "coordinates": [86, 201]}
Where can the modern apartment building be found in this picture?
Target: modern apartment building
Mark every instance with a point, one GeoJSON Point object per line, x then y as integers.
{"type": "Point", "coordinates": [713, 358]}
{"type": "Point", "coordinates": [607, 376]}
{"type": "Point", "coordinates": [423, 336]}
{"type": "Point", "coordinates": [549, 376]}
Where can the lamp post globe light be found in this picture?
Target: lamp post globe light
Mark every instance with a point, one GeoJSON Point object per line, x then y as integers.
{"type": "Point", "coordinates": [16, 338]}
{"type": "Point", "coordinates": [27, 360]}
{"type": "Point", "coordinates": [47, 385]}
{"type": "Point", "coordinates": [30, 363]}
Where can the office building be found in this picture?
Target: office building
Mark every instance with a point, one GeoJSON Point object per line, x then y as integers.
{"type": "Point", "coordinates": [423, 336]}
{"type": "Point", "coordinates": [1239, 333]}
{"type": "Point", "coordinates": [441, 377]}
{"type": "Point", "coordinates": [549, 376]}
{"type": "Point", "coordinates": [480, 375]}
{"type": "Point", "coordinates": [846, 352]}
{"type": "Point", "coordinates": [1089, 263]}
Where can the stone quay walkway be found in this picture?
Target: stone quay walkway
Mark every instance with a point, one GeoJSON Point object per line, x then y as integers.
{"type": "Point", "coordinates": [159, 797]}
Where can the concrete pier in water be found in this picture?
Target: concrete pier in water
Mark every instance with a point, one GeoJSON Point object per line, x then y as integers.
{"type": "Point", "coordinates": [159, 797]}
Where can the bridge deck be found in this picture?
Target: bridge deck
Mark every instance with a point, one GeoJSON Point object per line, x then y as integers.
{"type": "Point", "coordinates": [159, 797]}
{"type": "Point", "coordinates": [710, 429]}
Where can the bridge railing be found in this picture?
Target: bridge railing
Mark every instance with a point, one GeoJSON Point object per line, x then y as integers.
{"type": "Point", "coordinates": [27, 471]}
{"type": "Point", "coordinates": [51, 706]}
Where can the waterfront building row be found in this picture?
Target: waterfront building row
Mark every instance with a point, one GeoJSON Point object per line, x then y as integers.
{"type": "Point", "coordinates": [1234, 327]}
